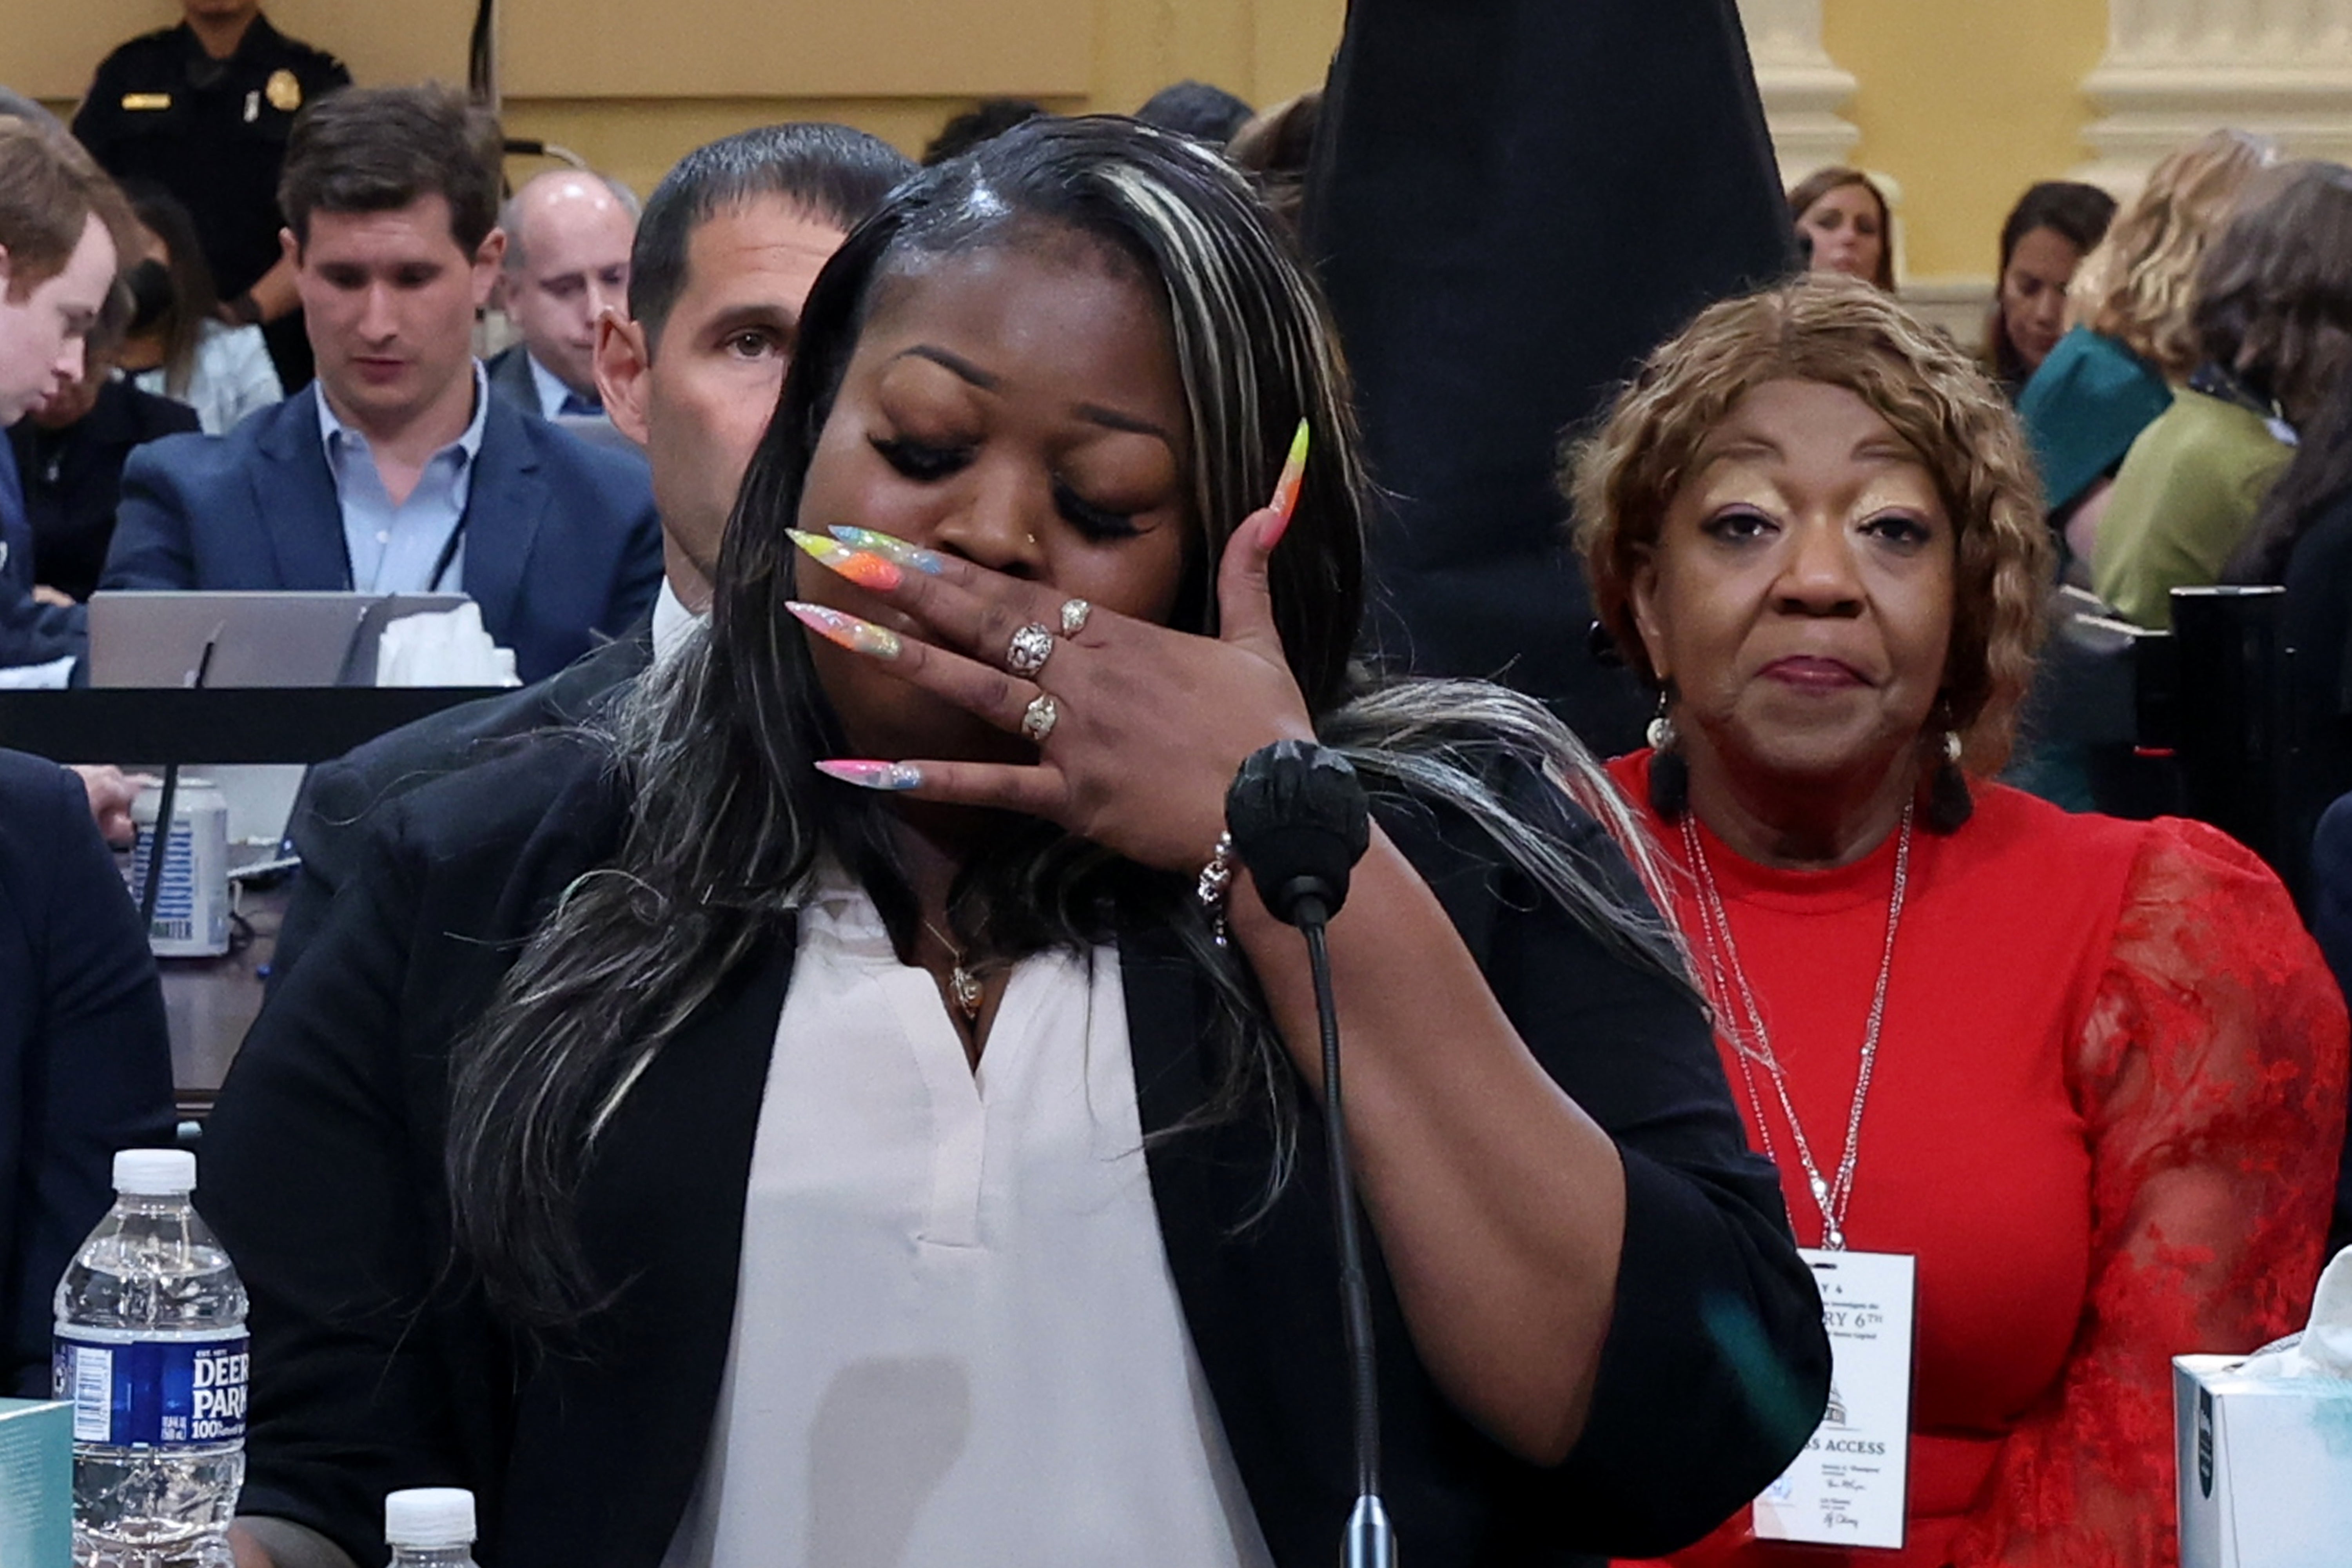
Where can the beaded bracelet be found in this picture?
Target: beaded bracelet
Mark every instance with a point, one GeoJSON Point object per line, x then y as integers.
{"type": "Point", "coordinates": [1216, 876]}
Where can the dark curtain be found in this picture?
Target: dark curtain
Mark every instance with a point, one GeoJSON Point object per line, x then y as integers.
{"type": "Point", "coordinates": [1512, 201]}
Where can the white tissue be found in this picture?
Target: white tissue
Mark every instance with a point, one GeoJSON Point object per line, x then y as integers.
{"type": "Point", "coordinates": [443, 647]}
{"type": "Point", "coordinates": [50, 677]}
{"type": "Point", "coordinates": [2323, 1350]}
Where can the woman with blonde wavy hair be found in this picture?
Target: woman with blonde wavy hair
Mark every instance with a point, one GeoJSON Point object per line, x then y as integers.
{"type": "Point", "coordinates": [2087, 1074]}
{"type": "Point", "coordinates": [2130, 339]}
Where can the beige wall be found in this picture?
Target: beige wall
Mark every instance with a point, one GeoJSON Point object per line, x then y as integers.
{"type": "Point", "coordinates": [1966, 102]}
{"type": "Point", "coordinates": [631, 85]}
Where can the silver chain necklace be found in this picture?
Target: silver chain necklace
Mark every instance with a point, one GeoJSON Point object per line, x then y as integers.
{"type": "Point", "coordinates": [1833, 1196]}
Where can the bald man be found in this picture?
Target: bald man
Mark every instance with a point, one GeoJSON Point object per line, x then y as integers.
{"type": "Point", "coordinates": [567, 259]}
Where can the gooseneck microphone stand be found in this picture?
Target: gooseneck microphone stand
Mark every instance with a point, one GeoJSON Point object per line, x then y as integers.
{"type": "Point", "coordinates": [1300, 822]}
{"type": "Point", "coordinates": [167, 806]}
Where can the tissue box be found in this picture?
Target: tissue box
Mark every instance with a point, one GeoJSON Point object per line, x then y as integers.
{"type": "Point", "coordinates": [2265, 1467]}
{"type": "Point", "coordinates": [35, 1483]}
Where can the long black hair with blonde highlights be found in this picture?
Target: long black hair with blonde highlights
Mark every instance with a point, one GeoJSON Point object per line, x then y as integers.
{"type": "Point", "coordinates": [729, 818]}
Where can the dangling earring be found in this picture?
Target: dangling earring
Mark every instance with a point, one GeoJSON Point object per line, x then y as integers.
{"type": "Point", "coordinates": [1669, 769]}
{"type": "Point", "coordinates": [1949, 804]}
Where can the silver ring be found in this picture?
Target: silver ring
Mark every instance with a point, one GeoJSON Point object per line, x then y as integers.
{"type": "Point", "coordinates": [1038, 720]}
{"type": "Point", "coordinates": [1073, 616]}
{"type": "Point", "coordinates": [1031, 646]}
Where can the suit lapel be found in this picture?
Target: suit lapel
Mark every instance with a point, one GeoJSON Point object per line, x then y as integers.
{"type": "Point", "coordinates": [294, 500]}
{"type": "Point", "coordinates": [504, 507]}
{"type": "Point", "coordinates": [510, 374]}
{"type": "Point", "coordinates": [1173, 1080]}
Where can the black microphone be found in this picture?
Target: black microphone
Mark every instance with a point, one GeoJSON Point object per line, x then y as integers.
{"type": "Point", "coordinates": [1300, 822]}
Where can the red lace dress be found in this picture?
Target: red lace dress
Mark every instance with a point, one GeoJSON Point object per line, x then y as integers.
{"type": "Point", "coordinates": [2108, 1097]}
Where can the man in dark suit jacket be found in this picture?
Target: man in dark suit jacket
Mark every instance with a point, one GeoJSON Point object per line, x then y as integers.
{"type": "Point", "coordinates": [85, 1058]}
{"type": "Point", "coordinates": [85, 1061]}
{"type": "Point", "coordinates": [397, 472]}
{"type": "Point", "coordinates": [59, 252]}
{"type": "Point", "coordinates": [567, 262]}
{"type": "Point", "coordinates": [729, 245]}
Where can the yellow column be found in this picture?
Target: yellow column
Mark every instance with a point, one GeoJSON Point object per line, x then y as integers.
{"type": "Point", "coordinates": [1966, 102]}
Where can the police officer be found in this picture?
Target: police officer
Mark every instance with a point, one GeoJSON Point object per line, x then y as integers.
{"type": "Point", "coordinates": [203, 109]}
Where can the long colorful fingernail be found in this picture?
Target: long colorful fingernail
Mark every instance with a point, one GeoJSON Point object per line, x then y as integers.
{"type": "Point", "coordinates": [1285, 489]}
{"type": "Point", "coordinates": [1294, 473]}
{"type": "Point", "coordinates": [862, 567]}
{"type": "Point", "coordinates": [856, 636]}
{"type": "Point", "coordinates": [890, 548]}
{"type": "Point", "coordinates": [873, 776]}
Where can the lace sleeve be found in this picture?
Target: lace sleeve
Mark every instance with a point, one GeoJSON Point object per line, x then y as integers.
{"type": "Point", "coordinates": [2209, 1076]}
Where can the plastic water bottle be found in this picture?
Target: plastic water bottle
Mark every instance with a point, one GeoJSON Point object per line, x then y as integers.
{"type": "Point", "coordinates": [151, 1351]}
{"type": "Point", "coordinates": [431, 1526]}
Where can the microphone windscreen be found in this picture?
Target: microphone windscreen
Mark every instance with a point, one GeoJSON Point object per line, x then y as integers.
{"type": "Point", "coordinates": [1300, 822]}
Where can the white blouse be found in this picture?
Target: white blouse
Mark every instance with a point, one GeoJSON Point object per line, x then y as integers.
{"type": "Point", "coordinates": [957, 1339]}
{"type": "Point", "coordinates": [232, 377]}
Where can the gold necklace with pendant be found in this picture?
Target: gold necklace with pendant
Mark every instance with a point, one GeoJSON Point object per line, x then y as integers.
{"type": "Point", "coordinates": [965, 988]}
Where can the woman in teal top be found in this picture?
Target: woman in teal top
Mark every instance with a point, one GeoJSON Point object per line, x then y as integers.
{"type": "Point", "coordinates": [2131, 340]}
{"type": "Point", "coordinates": [2084, 408]}
{"type": "Point", "coordinates": [2112, 375]}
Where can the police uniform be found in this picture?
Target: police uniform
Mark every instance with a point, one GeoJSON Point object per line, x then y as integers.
{"type": "Point", "coordinates": [213, 132]}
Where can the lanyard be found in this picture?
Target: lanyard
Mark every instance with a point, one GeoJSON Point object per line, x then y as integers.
{"type": "Point", "coordinates": [441, 563]}
{"type": "Point", "coordinates": [1832, 1197]}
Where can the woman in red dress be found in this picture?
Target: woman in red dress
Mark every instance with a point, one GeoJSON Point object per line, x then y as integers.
{"type": "Point", "coordinates": [2088, 1073]}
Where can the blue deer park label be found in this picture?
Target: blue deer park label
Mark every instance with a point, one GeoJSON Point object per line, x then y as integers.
{"type": "Point", "coordinates": [153, 1393]}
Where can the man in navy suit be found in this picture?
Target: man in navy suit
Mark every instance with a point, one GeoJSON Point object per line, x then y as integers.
{"type": "Point", "coordinates": [85, 1063]}
{"type": "Point", "coordinates": [568, 236]}
{"type": "Point", "coordinates": [59, 248]}
{"type": "Point", "coordinates": [397, 472]}
{"type": "Point", "coordinates": [731, 243]}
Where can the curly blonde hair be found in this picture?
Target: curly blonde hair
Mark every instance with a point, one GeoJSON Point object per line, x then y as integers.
{"type": "Point", "coordinates": [1840, 332]}
{"type": "Point", "coordinates": [2139, 285]}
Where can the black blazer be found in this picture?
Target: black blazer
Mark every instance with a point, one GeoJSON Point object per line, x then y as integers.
{"type": "Point", "coordinates": [337, 797]}
{"type": "Point", "coordinates": [85, 1063]}
{"type": "Point", "coordinates": [377, 1365]}
{"type": "Point", "coordinates": [73, 479]}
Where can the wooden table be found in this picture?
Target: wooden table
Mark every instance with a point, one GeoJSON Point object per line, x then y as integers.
{"type": "Point", "coordinates": [209, 1003]}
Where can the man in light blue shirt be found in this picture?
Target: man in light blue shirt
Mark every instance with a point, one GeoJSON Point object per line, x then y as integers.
{"type": "Point", "coordinates": [397, 471]}
{"type": "Point", "coordinates": [417, 545]}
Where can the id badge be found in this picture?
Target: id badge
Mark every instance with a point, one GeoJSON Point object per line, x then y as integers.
{"type": "Point", "coordinates": [1848, 1487]}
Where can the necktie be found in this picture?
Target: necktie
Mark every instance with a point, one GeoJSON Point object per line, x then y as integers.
{"type": "Point", "coordinates": [577, 407]}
